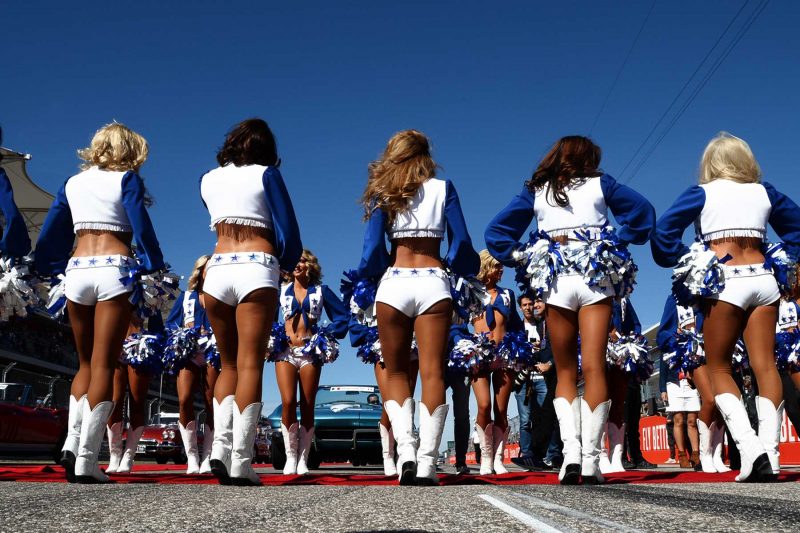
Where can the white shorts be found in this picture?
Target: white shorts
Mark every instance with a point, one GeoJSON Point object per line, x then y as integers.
{"type": "Point", "coordinates": [682, 398]}
{"type": "Point", "coordinates": [748, 286]}
{"type": "Point", "coordinates": [570, 291]}
{"type": "Point", "coordinates": [412, 291]}
{"type": "Point", "coordinates": [295, 356]}
{"type": "Point", "coordinates": [231, 277]}
{"type": "Point", "coordinates": [93, 279]}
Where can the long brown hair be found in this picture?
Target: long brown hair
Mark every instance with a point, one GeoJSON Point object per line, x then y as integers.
{"type": "Point", "coordinates": [572, 158]}
{"type": "Point", "coordinates": [406, 164]}
{"type": "Point", "coordinates": [250, 142]}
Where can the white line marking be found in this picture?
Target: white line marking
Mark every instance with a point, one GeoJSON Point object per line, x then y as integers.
{"type": "Point", "coordinates": [569, 511]}
{"type": "Point", "coordinates": [525, 518]}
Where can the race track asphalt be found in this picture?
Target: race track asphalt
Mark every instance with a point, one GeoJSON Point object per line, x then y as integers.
{"type": "Point", "coordinates": [645, 507]}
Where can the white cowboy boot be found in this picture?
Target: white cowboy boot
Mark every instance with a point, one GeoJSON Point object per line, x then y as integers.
{"type": "Point", "coordinates": [69, 452]}
{"type": "Point", "coordinates": [114, 434]}
{"type": "Point", "coordinates": [291, 437]}
{"type": "Point", "coordinates": [402, 420]}
{"type": "Point", "coordinates": [208, 440]}
{"type": "Point", "coordinates": [387, 448]}
{"type": "Point", "coordinates": [304, 448]}
{"type": "Point", "coordinates": [499, 437]}
{"type": "Point", "coordinates": [93, 427]}
{"type": "Point", "coordinates": [769, 430]}
{"type": "Point", "coordinates": [430, 436]}
{"type": "Point", "coordinates": [706, 456]}
{"type": "Point", "coordinates": [486, 443]}
{"type": "Point", "coordinates": [189, 438]}
{"type": "Point", "coordinates": [223, 440]}
{"type": "Point", "coordinates": [605, 463]}
{"type": "Point", "coordinates": [592, 424]}
{"type": "Point", "coordinates": [616, 438]}
{"type": "Point", "coordinates": [717, 431]}
{"type": "Point", "coordinates": [755, 461]}
{"type": "Point", "coordinates": [131, 443]}
{"type": "Point", "coordinates": [569, 423]}
{"type": "Point", "coordinates": [245, 426]}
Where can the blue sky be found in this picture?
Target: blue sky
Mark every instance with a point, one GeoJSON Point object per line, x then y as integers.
{"type": "Point", "coordinates": [493, 87]}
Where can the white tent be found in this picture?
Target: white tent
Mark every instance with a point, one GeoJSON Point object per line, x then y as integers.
{"type": "Point", "coordinates": [32, 200]}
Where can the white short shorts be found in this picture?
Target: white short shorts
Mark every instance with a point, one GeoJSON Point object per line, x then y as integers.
{"type": "Point", "coordinates": [93, 279]}
{"type": "Point", "coordinates": [748, 286]}
{"type": "Point", "coordinates": [231, 277]}
{"type": "Point", "coordinates": [295, 356]}
{"type": "Point", "coordinates": [570, 291]}
{"type": "Point", "coordinates": [682, 398]}
{"type": "Point", "coordinates": [412, 291]}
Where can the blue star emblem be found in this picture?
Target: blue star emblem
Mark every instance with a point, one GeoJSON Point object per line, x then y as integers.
{"type": "Point", "coordinates": [217, 259]}
{"type": "Point", "coordinates": [269, 260]}
{"type": "Point", "coordinates": [92, 261]}
{"type": "Point", "coordinates": [752, 269]}
{"type": "Point", "coordinates": [736, 271]}
{"type": "Point", "coordinates": [109, 260]}
{"type": "Point", "coordinates": [234, 258]}
{"type": "Point", "coordinates": [395, 272]}
{"type": "Point", "coordinates": [414, 271]}
{"type": "Point", "coordinates": [252, 257]}
{"type": "Point", "coordinates": [431, 271]}
{"type": "Point", "coordinates": [76, 262]}
{"type": "Point", "coordinates": [125, 261]}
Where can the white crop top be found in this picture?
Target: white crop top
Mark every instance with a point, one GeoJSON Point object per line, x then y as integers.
{"type": "Point", "coordinates": [425, 214]}
{"type": "Point", "coordinates": [685, 317]}
{"type": "Point", "coordinates": [586, 210]}
{"type": "Point", "coordinates": [235, 195]}
{"type": "Point", "coordinates": [733, 209]}
{"type": "Point", "coordinates": [95, 201]}
{"type": "Point", "coordinates": [787, 316]}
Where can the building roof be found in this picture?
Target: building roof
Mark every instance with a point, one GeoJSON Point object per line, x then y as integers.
{"type": "Point", "coordinates": [32, 200]}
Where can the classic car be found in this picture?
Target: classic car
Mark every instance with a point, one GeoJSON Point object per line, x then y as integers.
{"type": "Point", "coordinates": [346, 427]}
{"type": "Point", "coordinates": [28, 425]}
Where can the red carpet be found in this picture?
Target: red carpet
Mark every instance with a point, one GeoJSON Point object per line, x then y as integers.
{"type": "Point", "coordinates": [171, 474]}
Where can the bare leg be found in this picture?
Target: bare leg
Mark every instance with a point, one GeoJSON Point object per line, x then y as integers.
{"type": "Point", "coordinates": [432, 329]}
{"type": "Point", "coordinates": [81, 318]}
{"type": "Point", "coordinates": [211, 375]}
{"type": "Point", "coordinates": [594, 320]}
{"type": "Point", "coordinates": [503, 383]}
{"type": "Point", "coordinates": [254, 317]}
{"type": "Point", "coordinates": [563, 326]}
{"type": "Point", "coordinates": [617, 389]}
{"type": "Point", "coordinates": [380, 379]}
{"type": "Point", "coordinates": [111, 320]}
{"type": "Point", "coordinates": [759, 337]}
{"type": "Point", "coordinates": [481, 387]}
{"type": "Point", "coordinates": [394, 331]}
{"type": "Point", "coordinates": [118, 397]}
{"type": "Point", "coordinates": [413, 373]}
{"type": "Point", "coordinates": [139, 383]}
{"type": "Point", "coordinates": [223, 321]}
{"type": "Point", "coordinates": [309, 381]}
{"type": "Point", "coordinates": [187, 381]}
{"type": "Point", "coordinates": [694, 436]}
{"type": "Point", "coordinates": [721, 329]}
{"type": "Point", "coordinates": [677, 430]}
{"type": "Point", "coordinates": [286, 375]}
{"type": "Point", "coordinates": [708, 406]}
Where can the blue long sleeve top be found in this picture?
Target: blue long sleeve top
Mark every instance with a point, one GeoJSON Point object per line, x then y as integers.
{"type": "Point", "coordinates": [317, 299]}
{"type": "Point", "coordinates": [626, 323]}
{"type": "Point", "coordinates": [15, 240]}
{"type": "Point", "coordinates": [665, 339]}
{"type": "Point", "coordinates": [187, 309]}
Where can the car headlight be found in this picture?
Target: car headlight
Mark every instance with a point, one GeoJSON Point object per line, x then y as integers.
{"type": "Point", "coordinates": [168, 434]}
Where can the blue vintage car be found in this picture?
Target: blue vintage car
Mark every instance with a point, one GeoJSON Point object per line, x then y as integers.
{"type": "Point", "coordinates": [346, 421]}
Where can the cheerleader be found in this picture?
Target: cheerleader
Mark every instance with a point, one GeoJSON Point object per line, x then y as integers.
{"type": "Point", "coordinates": [787, 345]}
{"type": "Point", "coordinates": [578, 263]}
{"type": "Point", "coordinates": [191, 351]}
{"type": "Point", "coordinates": [139, 362]}
{"type": "Point", "coordinates": [310, 346]}
{"type": "Point", "coordinates": [500, 316]}
{"type": "Point", "coordinates": [105, 206]}
{"type": "Point", "coordinates": [405, 201]}
{"type": "Point", "coordinates": [731, 270]}
{"type": "Point", "coordinates": [257, 237]}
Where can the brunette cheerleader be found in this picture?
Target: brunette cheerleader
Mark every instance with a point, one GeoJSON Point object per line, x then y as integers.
{"type": "Point", "coordinates": [733, 272]}
{"type": "Point", "coordinates": [578, 263]}
{"type": "Point", "coordinates": [405, 201]}
{"type": "Point", "coordinates": [105, 205]}
{"type": "Point", "coordinates": [257, 237]}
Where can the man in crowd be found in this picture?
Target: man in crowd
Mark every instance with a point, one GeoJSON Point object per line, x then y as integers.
{"type": "Point", "coordinates": [459, 384]}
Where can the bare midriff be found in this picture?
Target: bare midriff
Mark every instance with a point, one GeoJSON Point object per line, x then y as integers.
{"type": "Point", "coordinates": [239, 238]}
{"type": "Point", "coordinates": [743, 250]}
{"type": "Point", "coordinates": [297, 331]}
{"type": "Point", "coordinates": [479, 324]}
{"type": "Point", "coordinates": [416, 252]}
{"type": "Point", "coordinates": [101, 242]}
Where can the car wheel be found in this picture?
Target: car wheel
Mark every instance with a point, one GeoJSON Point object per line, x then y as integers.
{"type": "Point", "coordinates": [314, 459]}
{"type": "Point", "coordinates": [180, 459]}
{"type": "Point", "coordinates": [278, 454]}
{"type": "Point", "coordinates": [161, 460]}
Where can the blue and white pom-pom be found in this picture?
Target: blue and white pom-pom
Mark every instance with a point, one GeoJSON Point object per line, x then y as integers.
{"type": "Point", "coordinates": [740, 359]}
{"type": "Point", "coordinates": [698, 274]}
{"type": "Point", "coordinates": [56, 299]}
{"type": "Point", "coordinates": [687, 353]}
{"type": "Point", "coordinates": [17, 293]}
{"type": "Point", "coordinates": [180, 347]}
{"type": "Point", "coordinates": [143, 352]}
{"type": "Point", "coordinates": [787, 349]}
{"type": "Point", "coordinates": [516, 351]}
{"type": "Point", "coordinates": [359, 294]}
{"type": "Point", "coordinates": [470, 353]}
{"type": "Point", "coordinates": [539, 262]}
{"type": "Point", "coordinates": [278, 343]}
{"type": "Point", "coordinates": [151, 294]}
{"type": "Point", "coordinates": [370, 350]}
{"type": "Point", "coordinates": [783, 267]}
{"type": "Point", "coordinates": [602, 259]}
{"type": "Point", "coordinates": [208, 344]}
{"type": "Point", "coordinates": [322, 347]}
{"type": "Point", "coordinates": [629, 354]}
{"type": "Point", "coordinates": [470, 296]}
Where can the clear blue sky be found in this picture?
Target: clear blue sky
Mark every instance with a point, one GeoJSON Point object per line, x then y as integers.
{"type": "Point", "coordinates": [492, 85]}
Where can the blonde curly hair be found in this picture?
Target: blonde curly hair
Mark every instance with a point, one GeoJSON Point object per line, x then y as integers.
{"type": "Point", "coordinates": [115, 147]}
{"type": "Point", "coordinates": [314, 268]}
{"type": "Point", "coordinates": [195, 282]}
{"type": "Point", "coordinates": [488, 264]}
{"type": "Point", "coordinates": [729, 157]}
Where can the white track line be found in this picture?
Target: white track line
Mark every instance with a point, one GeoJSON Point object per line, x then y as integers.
{"type": "Point", "coordinates": [523, 517]}
{"type": "Point", "coordinates": [578, 515]}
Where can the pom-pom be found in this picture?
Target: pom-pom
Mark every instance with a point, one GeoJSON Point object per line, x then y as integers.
{"type": "Point", "coordinates": [470, 353]}
{"type": "Point", "coordinates": [698, 274]}
{"type": "Point", "coordinates": [516, 351]}
{"type": "Point", "coordinates": [17, 293]}
{"type": "Point", "coordinates": [180, 347]}
{"type": "Point", "coordinates": [370, 350]}
{"type": "Point", "coordinates": [787, 348]}
{"type": "Point", "coordinates": [278, 342]}
{"type": "Point", "coordinates": [602, 259]}
{"type": "Point", "coordinates": [359, 294]}
{"type": "Point", "coordinates": [687, 351]}
{"type": "Point", "coordinates": [629, 354]}
{"type": "Point", "coordinates": [469, 296]}
{"type": "Point", "coordinates": [143, 352]}
{"type": "Point", "coordinates": [740, 359]}
{"type": "Point", "coordinates": [540, 260]}
{"type": "Point", "coordinates": [322, 347]}
{"type": "Point", "coordinates": [782, 266]}
{"type": "Point", "coordinates": [151, 294]}
{"type": "Point", "coordinates": [56, 298]}
{"type": "Point", "coordinates": [208, 344]}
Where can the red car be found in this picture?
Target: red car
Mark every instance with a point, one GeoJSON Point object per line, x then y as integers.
{"type": "Point", "coordinates": [26, 426]}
